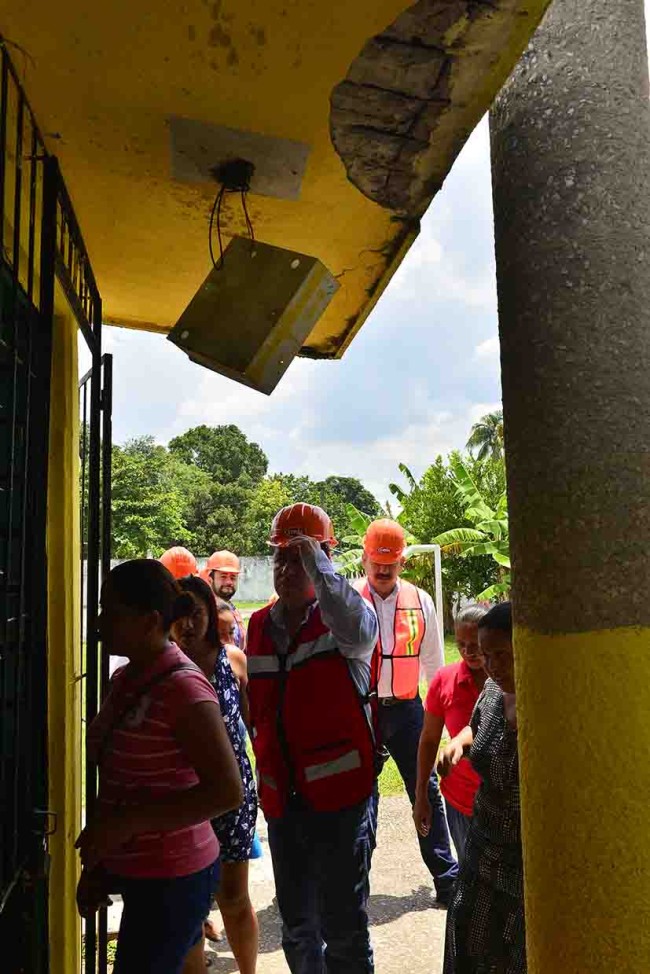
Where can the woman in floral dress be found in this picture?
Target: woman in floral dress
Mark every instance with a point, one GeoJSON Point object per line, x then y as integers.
{"type": "Point", "coordinates": [225, 666]}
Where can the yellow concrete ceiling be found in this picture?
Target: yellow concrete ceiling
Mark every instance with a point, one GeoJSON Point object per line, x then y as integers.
{"type": "Point", "coordinates": [104, 79]}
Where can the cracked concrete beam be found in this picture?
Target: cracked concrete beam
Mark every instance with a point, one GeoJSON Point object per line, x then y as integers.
{"type": "Point", "coordinates": [415, 92]}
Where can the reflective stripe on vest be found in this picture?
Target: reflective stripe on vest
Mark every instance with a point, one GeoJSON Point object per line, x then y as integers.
{"type": "Point", "coordinates": [409, 630]}
{"type": "Point", "coordinates": [346, 762]}
{"type": "Point", "coordinates": [259, 665]}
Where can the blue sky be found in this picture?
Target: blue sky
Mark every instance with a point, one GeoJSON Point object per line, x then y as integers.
{"type": "Point", "coordinates": [423, 368]}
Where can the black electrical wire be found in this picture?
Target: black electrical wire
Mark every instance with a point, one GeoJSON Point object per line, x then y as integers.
{"type": "Point", "coordinates": [249, 225]}
{"type": "Point", "coordinates": [216, 209]}
{"type": "Point", "coordinates": [236, 179]}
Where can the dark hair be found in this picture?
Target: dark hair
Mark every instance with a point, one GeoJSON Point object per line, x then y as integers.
{"type": "Point", "coordinates": [199, 589]}
{"type": "Point", "coordinates": [222, 606]}
{"type": "Point", "coordinates": [499, 617]}
{"type": "Point", "coordinates": [145, 585]}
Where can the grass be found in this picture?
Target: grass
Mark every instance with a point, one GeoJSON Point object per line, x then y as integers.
{"type": "Point", "coordinates": [451, 653]}
{"type": "Point", "coordinates": [111, 948]}
{"type": "Point", "coordinates": [249, 606]}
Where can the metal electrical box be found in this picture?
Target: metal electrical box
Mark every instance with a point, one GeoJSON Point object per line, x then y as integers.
{"type": "Point", "coordinates": [251, 316]}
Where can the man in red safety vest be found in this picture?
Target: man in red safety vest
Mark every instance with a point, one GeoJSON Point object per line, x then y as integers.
{"type": "Point", "coordinates": [309, 657]}
{"type": "Point", "coordinates": [409, 647]}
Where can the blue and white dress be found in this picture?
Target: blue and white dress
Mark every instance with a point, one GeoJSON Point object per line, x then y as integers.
{"type": "Point", "coordinates": [235, 830]}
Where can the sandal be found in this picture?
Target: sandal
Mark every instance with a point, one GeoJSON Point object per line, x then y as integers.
{"type": "Point", "coordinates": [211, 933]}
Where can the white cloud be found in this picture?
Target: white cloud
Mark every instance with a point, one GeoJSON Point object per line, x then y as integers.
{"type": "Point", "coordinates": [425, 253]}
{"type": "Point", "coordinates": [377, 463]}
{"type": "Point", "coordinates": [429, 265]}
{"type": "Point", "coordinates": [488, 350]}
{"type": "Point", "coordinates": [479, 409]}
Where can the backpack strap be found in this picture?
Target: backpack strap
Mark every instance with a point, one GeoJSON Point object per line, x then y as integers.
{"type": "Point", "coordinates": [139, 694]}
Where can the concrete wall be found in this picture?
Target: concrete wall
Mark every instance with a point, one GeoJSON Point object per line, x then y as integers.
{"type": "Point", "coordinates": [256, 580]}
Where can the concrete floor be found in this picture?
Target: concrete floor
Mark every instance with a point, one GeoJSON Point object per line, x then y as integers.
{"type": "Point", "coordinates": [407, 929]}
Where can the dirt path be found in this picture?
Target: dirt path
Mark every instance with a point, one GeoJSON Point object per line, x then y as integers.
{"type": "Point", "coordinates": [407, 930]}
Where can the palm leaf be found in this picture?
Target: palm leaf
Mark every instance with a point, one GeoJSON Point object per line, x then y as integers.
{"type": "Point", "coordinates": [348, 563]}
{"type": "Point", "coordinates": [468, 491]}
{"type": "Point", "coordinates": [494, 591]}
{"type": "Point", "coordinates": [502, 506]}
{"type": "Point", "coordinates": [497, 528]}
{"type": "Point", "coordinates": [487, 548]}
{"type": "Point", "coordinates": [502, 559]}
{"type": "Point", "coordinates": [404, 470]}
{"type": "Point", "coordinates": [479, 512]}
{"type": "Point", "coordinates": [398, 492]}
{"type": "Point", "coordinates": [486, 436]}
{"type": "Point", "coordinates": [358, 520]}
{"type": "Point", "coordinates": [459, 536]}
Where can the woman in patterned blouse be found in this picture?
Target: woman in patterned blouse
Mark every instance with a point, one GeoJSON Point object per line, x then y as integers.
{"type": "Point", "coordinates": [485, 922]}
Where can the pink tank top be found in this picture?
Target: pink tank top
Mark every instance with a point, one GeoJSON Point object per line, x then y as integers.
{"type": "Point", "coordinates": [143, 759]}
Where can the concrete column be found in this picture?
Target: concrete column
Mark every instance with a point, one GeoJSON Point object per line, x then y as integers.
{"type": "Point", "coordinates": [571, 171]}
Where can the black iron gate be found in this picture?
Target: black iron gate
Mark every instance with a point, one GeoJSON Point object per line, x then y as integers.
{"type": "Point", "coordinates": [27, 235]}
{"type": "Point", "coordinates": [40, 244]}
{"type": "Point", "coordinates": [95, 408]}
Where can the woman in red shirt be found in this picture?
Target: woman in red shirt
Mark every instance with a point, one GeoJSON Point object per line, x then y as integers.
{"type": "Point", "coordinates": [452, 695]}
{"type": "Point", "coordinates": [166, 767]}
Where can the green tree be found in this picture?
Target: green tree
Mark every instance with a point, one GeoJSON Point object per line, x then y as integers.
{"type": "Point", "coordinates": [210, 490]}
{"type": "Point", "coordinates": [337, 494]}
{"type": "Point", "coordinates": [196, 489]}
{"type": "Point", "coordinates": [269, 496]}
{"type": "Point", "coordinates": [486, 436]}
{"type": "Point", "coordinates": [224, 452]}
{"type": "Point", "coordinates": [488, 534]}
{"type": "Point", "coordinates": [297, 489]}
{"type": "Point", "coordinates": [228, 468]}
{"type": "Point", "coordinates": [432, 505]}
{"type": "Point", "coordinates": [334, 494]}
{"type": "Point", "coordinates": [147, 501]}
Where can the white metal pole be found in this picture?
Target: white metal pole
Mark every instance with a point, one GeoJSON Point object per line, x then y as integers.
{"type": "Point", "coordinates": [437, 571]}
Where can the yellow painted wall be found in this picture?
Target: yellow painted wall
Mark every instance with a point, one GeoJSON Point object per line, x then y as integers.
{"type": "Point", "coordinates": [64, 648]}
{"type": "Point", "coordinates": [583, 704]}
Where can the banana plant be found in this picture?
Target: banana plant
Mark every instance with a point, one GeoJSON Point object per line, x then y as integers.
{"type": "Point", "coordinates": [488, 534]}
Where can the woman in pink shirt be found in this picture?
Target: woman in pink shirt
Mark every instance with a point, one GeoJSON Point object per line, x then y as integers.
{"type": "Point", "coordinates": [452, 696]}
{"type": "Point", "coordinates": [166, 767]}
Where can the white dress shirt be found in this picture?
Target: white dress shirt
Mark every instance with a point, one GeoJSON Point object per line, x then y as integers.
{"type": "Point", "coordinates": [431, 651]}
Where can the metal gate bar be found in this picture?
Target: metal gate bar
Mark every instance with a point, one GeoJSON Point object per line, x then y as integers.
{"type": "Point", "coordinates": [25, 365]}
{"type": "Point", "coordinates": [40, 242]}
{"type": "Point", "coordinates": [95, 390]}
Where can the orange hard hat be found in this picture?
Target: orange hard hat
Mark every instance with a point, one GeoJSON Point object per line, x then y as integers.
{"type": "Point", "coordinates": [223, 561]}
{"type": "Point", "coordinates": [384, 541]}
{"type": "Point", "coordinates": [179, 561]}
{"type": "Point", "coordinates": [301, 519]}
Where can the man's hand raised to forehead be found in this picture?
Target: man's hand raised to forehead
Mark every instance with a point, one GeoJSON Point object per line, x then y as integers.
{"type": "Point", "coordinates": [304, 544]}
